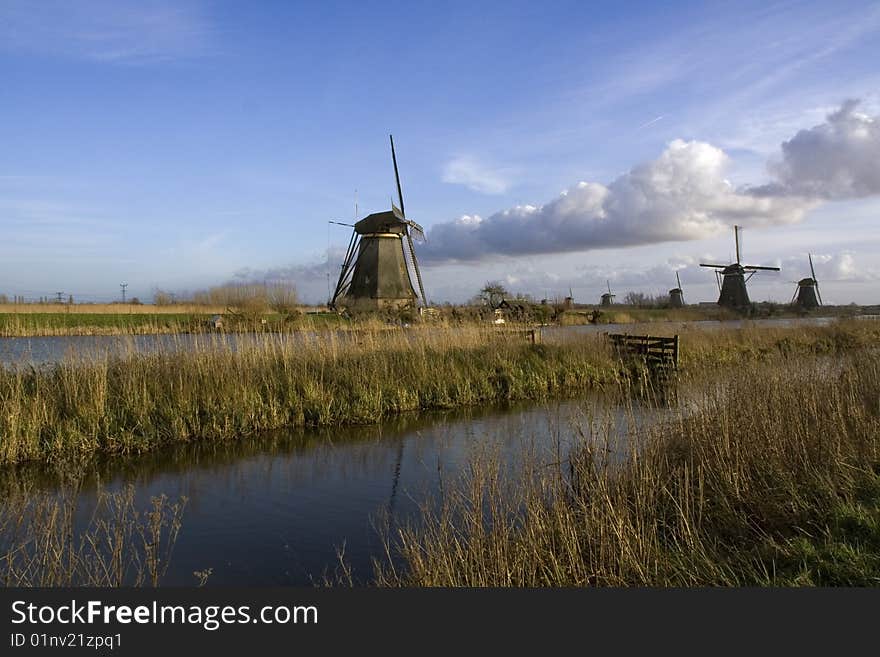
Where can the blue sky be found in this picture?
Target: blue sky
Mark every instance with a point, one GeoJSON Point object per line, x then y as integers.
{"type": "Point", "coordinates": [180, 144]}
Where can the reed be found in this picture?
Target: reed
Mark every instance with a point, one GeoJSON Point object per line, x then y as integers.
{"type": "Point", "coordinates": [222, 388]}
{"type": "Point", "coordinates": [769, 475]}
{"type": "Point", "coordinates": [219, 388]}
{"type": "Point", "coordinates": [44, 541]}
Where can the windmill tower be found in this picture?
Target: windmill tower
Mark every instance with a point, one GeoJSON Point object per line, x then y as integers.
{"type": "Point", "coordinates": [732, 279]}
{"type": "Point", "coordinates": [676, 296]}
{"type": "Point", "coordinates": [378, 266]}
{"type": "Point", "coordinates": [807, 294]}
{"type": "Point", "coordinates": [607, 298]}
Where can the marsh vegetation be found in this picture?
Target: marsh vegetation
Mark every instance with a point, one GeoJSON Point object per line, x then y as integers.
{"type": "Point", "coordinates": [768, 474]}
{"type": "Point", "coordinates": [772, 477]}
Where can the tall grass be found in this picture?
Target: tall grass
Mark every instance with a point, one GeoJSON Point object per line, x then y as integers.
{"type": "Point", "coordinates": [43, 543]}
{"type": "Point", "coordinates": [771, 476]}
{"type": "Point", "coordinates": [222, 389]}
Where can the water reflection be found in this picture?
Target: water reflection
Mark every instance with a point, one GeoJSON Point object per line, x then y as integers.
{"type": "Point", "coordinates": [273, 509]}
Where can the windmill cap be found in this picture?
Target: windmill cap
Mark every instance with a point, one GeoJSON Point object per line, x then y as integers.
{"type": "Point", "coordinates": [390, 221]}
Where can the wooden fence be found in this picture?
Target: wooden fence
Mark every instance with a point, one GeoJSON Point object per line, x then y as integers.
{"type": "Point", "coordinates": [658, 352]}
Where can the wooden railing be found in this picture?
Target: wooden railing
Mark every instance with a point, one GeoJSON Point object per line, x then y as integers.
{"type": "Point", "coordinates": [658, 352]}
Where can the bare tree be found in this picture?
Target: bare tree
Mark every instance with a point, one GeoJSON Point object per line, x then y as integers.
{"type": "Point", "coordinates": [163, 298]}
{"type": "Point", "coordinates": [493, 293]}
{"type": "Point", "coordinates": [282, 297]}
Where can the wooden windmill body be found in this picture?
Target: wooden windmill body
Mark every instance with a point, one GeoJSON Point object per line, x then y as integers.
{"type": "Point", "coordinates": [732, 279]}
{"type": "Point", "coordinates": [807, 294]}
{"type": "Point", "coordinates": [607, 298]}
{"type": "Point", "coordinates": [380, 262]}
{"type": "Point", "coordinates": [676, 295]}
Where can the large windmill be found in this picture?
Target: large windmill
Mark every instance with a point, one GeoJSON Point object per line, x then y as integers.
{"type": "Point", "coordinates": [380, 262]}
{"type": "Point", "coordinates": [807, 294]}
{"type": "Point", "coordinates": [676, 295]}
{"type": "Point", "coordinates": [732, 279]}
{"type": "Point", "coordinates": [607, 298]}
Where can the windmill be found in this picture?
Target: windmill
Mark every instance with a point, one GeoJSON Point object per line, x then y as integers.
{"type": "Point", "coordinates": [807, 293]}
{"type": "Point", "coordinates": [676, 296]}
{"type": "Point", "coordinates": [607, 298]}
{"type": "Point", "coordinates": [732, 279]}
{"type": "Point", "coordinates": [380, 261]}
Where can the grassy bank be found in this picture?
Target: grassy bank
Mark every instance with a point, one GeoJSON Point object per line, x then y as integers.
{"type": "Point", "coordinates": [139, 402]}
{"type": "Point", "coordinates": [121, 322]}
{"type": "Point", "coordinates": [217, 390]}
{"type": "Point", "coordinates": [49, 324]}
{"type": "Point", "coordinates": [770, 477]}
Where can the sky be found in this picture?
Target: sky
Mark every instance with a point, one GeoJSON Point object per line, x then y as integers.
{"type": "Point", "coordinates": [553, 146]}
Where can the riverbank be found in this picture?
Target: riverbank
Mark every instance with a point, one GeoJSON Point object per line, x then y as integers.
{"type": "Point", "coordinates": [75, 321]}
{"type": "Point", "coordinates": [141, 401]}
{"type": "Point", "coordinates": [57, 320]}
{"type": "Point", "coordinates": [220, 391]}
{"type": "Point", "coordinates": [772, 477]}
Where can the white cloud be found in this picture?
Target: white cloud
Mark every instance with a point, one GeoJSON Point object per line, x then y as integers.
{"type": "Point", "coordinates": [682, 195]}
{"type": "Point", "coordinates": [838, 159]}
{"type": "Point", "coordinates": [473, 174]}
{"type": "Point", "coordinates": [840, 266]}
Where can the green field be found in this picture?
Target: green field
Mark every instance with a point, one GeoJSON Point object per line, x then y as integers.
{"type": "Point", "coordinates": [73, 323]}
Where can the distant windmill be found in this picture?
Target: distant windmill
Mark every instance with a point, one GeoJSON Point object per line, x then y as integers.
{"type": "Point", "coordinates": [607, 298]}
{"type": "Point", "coordinates": [376, 272]}
{"type": "Point", "coordinates": [732, 279]}
{"type": "Point", "coordinates": [676, 296]}
{"type": "Point", "coordinates": [807, 293]}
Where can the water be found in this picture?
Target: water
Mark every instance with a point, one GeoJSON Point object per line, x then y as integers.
{"type": "Point", "coordinates": [275, 509]}
{"type": "Point", "coordinates": [47, 350]}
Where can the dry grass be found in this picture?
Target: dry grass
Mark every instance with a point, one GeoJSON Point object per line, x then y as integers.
{"type": "Point", "coordinates": [42, 543]}
{"type": "Point", "coordinates": [771, 476]}
{"type": "Point", "coordinates": [223, 389]}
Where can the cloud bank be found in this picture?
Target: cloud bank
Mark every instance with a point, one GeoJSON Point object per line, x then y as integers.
{"type": "Point", "coordinates": [839, 159]}
{"type": "Point", "coordinates": [681, 195]}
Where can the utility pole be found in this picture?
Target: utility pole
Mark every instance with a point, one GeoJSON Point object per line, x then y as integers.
{"type": "Point", "coordinates": [123, 286]}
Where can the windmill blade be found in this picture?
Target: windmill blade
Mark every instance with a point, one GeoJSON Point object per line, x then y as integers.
{"type": "Point", "coordinates": [347, 270]}
{"type": "Point", "coordinates": [756, 267]}
{"type": "Point", "coordinates": [794, 296]}
{"type": "Point", "coordinates": [736, 238]}
{"type": "Point", "coordinates": [417, 231]}
{"type": "Point", "coordinates": [415, 262]}
{"type": "Point", "coordinates": [818, 294]}
{"type": "Point", "coordinates": [397, 177]}
{"type": "Point", "coordinates": [812, 271]}
{"type": "Point", "coordinates": [716, 266]}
